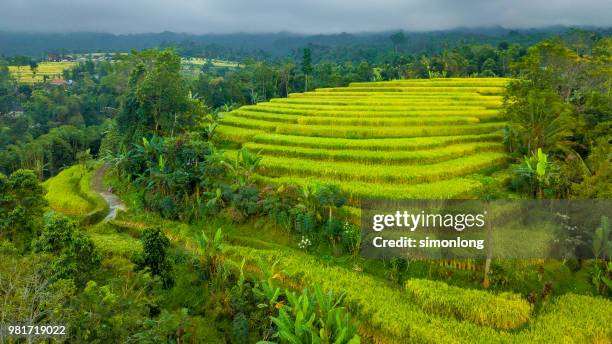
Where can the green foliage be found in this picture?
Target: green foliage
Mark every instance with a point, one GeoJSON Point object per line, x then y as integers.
{"type": "Point", "coordinates": [75, 255]}
{"type": "Point", "coordinates": [169, 327]}
{"type": "Point", "coordinates": [21, 207]}
{"type": "Point", "coordinates": [539, 119]}
{"type": "Point", "coordinates": [378, 157]}
{"type": "Point", "coordinates": [564, 114]}
{"type": "Point", "coordinates": [157, 89]}
{"type": "Point", "coordinates": [306, 66]}
{"type": "Point", "coordinates": [116, 244]}
{"type": "Point", "coordinates": [240, 329]}
{"type": "Point", "coordinates": [402, 320]}
{"type": "Point", "coordinates": [315, 318]}
{"type": "Point", "coordinates": [378, 145]}
{"type": "Point", "coordinates": [154, 257]}
{"type": "Point", "coordinates": [536, 173]}
{"type": "Point", "coordinates": [602, 251]}
{"type": "Point", "coordinates": [50, 152]}
{"type": "Point", "coordinates": [374, 174]}
{"type": "Point", "coordinates": [596, 182]}
{"type": "Point", "coordinates": [210, 249]}
{"type": "Point", "coordinates": [113, 311]}
{"type": "Point", "coordinates": [443, 189]}
{"type": "Point", "coordinates": [350, 237]}
{"type": "Point", "coordinates": [602, 240]}
{"type": "Point", "coordinates": [29, 295]}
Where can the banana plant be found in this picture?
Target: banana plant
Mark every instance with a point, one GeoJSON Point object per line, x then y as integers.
{"type": "Point", "coordinates": [244, 166]}
{"type": "Point", "coordinates": [602, 251]}
{"type": "Point", "coordinates": [602, 246]}
{"type": "Point", "coordinates": [315, 318]}
{"type": "Point", "coordinates": [210, 250]}
{"type": "Point", "coordinates": [537, 169]}
{"type": "Point", "coordinates": [266, 290]}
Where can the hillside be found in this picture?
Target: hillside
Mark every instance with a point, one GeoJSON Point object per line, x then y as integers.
{"type": "Point", "coordinates": [394, 139]}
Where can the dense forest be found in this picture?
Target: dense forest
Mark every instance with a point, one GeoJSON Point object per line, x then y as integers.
{"type": "Point", "coordinates": [240, 46]}
{"type": "Point", "coordinates": [153, 124]}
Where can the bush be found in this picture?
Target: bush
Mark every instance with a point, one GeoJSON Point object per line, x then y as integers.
{"type": "Point", "coordinates": [351, 238]}
{"type": "Point", "coordinates": [245, 200]}
{"type": "Point", "coordinates": [240, 329]}
{"type": "Point", "coordinates": [155, 256]}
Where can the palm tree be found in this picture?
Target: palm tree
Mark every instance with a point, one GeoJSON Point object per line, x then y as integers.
{"type": "Point", "coordinates": [539, 118]}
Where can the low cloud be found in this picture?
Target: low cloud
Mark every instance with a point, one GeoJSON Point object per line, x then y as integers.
{"type": "Point", "coordinates": [306, 16]}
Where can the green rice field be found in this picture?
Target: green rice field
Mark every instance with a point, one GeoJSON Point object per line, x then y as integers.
{"type": "Point", "coordinates": [45, 70]}
{"type": "Point", "coordinates": [393, 139]}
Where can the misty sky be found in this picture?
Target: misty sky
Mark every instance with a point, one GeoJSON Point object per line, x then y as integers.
{"type": "Point", "coordinates": [307, 16]}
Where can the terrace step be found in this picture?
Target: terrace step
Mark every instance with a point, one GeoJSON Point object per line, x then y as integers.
{"type": "Point", "coordinates": [374, 157]}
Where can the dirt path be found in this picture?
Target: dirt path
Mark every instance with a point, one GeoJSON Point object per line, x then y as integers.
{"type": "Point", "coordinates": [114, 203]}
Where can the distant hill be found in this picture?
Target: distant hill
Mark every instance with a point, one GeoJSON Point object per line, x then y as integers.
{"type": "Point", "coordinates": [262, 45]}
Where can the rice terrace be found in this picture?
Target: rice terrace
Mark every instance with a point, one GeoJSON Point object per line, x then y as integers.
{"type": "Point", "coordinates": [305, 172]}
{"type": "Point", "coordinates": [394, 139]}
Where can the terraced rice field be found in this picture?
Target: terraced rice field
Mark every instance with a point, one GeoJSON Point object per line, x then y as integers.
{"type": "Point", "coordinates": [69, 193]}
{"type": "Point", "coordinates": [50, 70]}
{"type": "Point", "coordinates": [395, 139]}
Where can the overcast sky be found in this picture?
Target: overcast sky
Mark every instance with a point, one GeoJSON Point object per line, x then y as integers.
{"type": "Point", "coordinates": [307, 16]}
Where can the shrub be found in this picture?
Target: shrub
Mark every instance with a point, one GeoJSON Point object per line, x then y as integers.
{"type": "Point", "coordinates": [351, 238]}
{"type": "Point", "coordinates": [245, 200]}
{"type": "Point", "coordinates": [240, 329]}
{"type": "Point", "coordinates": [155, 255]}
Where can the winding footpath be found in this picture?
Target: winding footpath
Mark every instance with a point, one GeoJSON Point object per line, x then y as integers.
{"type": "Point", "coordinates": [114, 203]}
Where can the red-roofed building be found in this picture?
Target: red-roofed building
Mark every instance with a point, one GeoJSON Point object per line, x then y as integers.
{"type": "Point", "coordinates": [58, 82]}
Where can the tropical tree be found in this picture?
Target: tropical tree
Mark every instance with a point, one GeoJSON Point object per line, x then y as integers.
{"type": "Point", "coordinates": [398, 39]}
{"type": "Point", "coordinates": [307, 66]}
{"type": "Point", "coordinates": [538, 119]}
{"type": "Point", "coordinates": [158, 101]}
{"type": "Point", "coordinates": [22, 204]}
{"type": "Point", "coordinates": [75, 255]}
{"type": "Point", "coordinates": [155, 255]}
